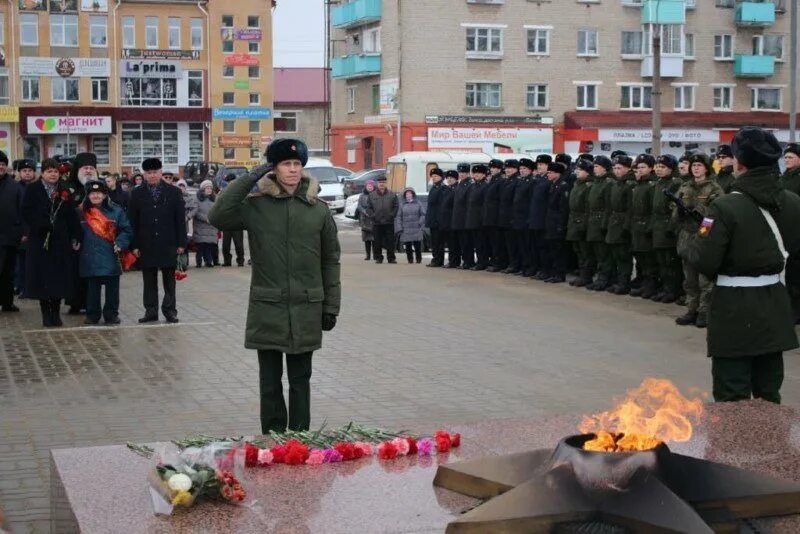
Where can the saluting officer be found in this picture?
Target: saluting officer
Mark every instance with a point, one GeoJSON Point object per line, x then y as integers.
{"type": "Point", "coordinates": [744, 241]}
{"type": "Point", "coordinates": [725, 175]}
{"type": "Point", "coordinates": [460, 205]}
{"type": "Point", "coordinates": [433, 216]}
{"type": "Point", "coordinates": [446, 221]}
{"type": "Point", "coordinates": [491, 208]}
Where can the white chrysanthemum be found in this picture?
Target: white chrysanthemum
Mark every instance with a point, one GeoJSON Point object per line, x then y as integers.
{"type": "Point", "coordinates": [179, 482]}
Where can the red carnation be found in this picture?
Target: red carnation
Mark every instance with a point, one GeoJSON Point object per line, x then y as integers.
{"type": "Point", "coordinates": [412, 445]}
{"type": "Point", "coordinates": [442, 441]}
{"type": "Point", "coordinates": [387, 451]}
{"type": "Point", "coordinates": [455, 440]}
{"type": "Point", "coordinates": [278, 454]}
{"type": "Point", "coordinates": [358, 452]}
{"type": "Point", "coordinates": [65, 195]}
{"type": "Point", "coordinates": [347, 450]}
{"type": "Point", "coordinates": [296, 452]}
{"type": "Point", "coordinates": [250, 455]}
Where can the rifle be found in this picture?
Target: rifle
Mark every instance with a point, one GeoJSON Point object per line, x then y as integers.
{"type": "Point", "coordinates": [682, 208]}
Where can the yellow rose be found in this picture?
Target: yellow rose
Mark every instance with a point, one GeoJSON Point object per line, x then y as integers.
{"type": "Point", "coordinates": [182, 498]}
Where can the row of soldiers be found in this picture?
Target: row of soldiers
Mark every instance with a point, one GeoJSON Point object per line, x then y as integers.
{"type": "Point", "coordinates": [540, 218]}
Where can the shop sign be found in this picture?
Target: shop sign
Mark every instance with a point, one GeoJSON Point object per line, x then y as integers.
{"type": "Point", "coordinates": [636, 135]}
{"type": "Point", "coordinates": [484, 119]}
{"type": "Point", "coordinates": [249, 163]}
{"type": "Point", "coordinates": [144, 68]}
{"type": "Point", "coordinates": [71, 125]}
{"type": "Point", "coordinates": [490, 140]}
{"type": "Point", "coordinates": [5, 137]}
{"type": "Point", "coordinates": [241, 34]}
{"type": "Point", "coordinates": [241, 84]}
{"type": "Point", "coordinates": [241, 60]}
{"type": "Point", "coordinates": [9, 114]}
{"type": "Point", "coordinates": [235, 141]}
{"type": "Point", "coordinates": [80, 67]}
{"type": "Point", "coordinates": [232, 113]}
{"type": "Point", "coordinates": [139, 53]}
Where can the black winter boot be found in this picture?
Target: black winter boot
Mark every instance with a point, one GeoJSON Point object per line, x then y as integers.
{"type": "Point", "coordinates": [689, 318]}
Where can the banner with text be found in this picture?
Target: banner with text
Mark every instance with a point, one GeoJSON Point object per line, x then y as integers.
{"type": "Point", "coordinates": [489, 140]}
{"type": "Point", "coordinates": [71, 125]}
{"type": "Point", "coordinates": [636, 135]}
{"type": "Point", "coordinates": [79, 67]}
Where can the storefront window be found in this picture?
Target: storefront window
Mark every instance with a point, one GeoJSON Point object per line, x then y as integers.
{"type": "Point", "coordinates": [149, 92]}
{"type": "Point", "coordinates": [31, 148]}
{"type": "Point", "coordinates": [148, 140]}
{"type": "Point", "coordinates": [229, 153]}
{"type": "Point", "coordinates": [196, 144]}
{"type": "Point", "coordinates": [100, 149]}
{"type": "Point", "coordinates": [65, 146]}
{"type": "Point", "coordinates": [195, 88]}
{"type": "Point", "coordinates": [4, 96]}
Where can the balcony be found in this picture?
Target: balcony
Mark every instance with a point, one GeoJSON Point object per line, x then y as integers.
{"type": "Point", "coordinates": [664, 12]}
{"type": "Point", "coordinates": [748, 66]}
{"type": "Point", "coordinates": [356, 66]}
{"type": "Point", "coordinates": [356, 13]}
{"type": "Point", "coordinates": [671, 66]}
{"type": "Point", "coordinates": [755, 14]}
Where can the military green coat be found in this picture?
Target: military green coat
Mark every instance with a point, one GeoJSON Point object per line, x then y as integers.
{"type": "Point", "coordinates": [694, 195]}
{"type": "Point", "coordinates": [791, 180]}
{"type": "Point", "coordinates": [725, 179]}
{"type": "Point", "coordinates": [597, 205]}
{"type": "Point", "coordinates": [294, 249]}
{"type": "Point", "coordinates": [736, 240]}
{"type": "Point", "coordinates": [578, 210]}
{"type": "Point", "coordinates": [619, 207]}
{"type": "Point", "coordinates": [663, 227]}
{"type": "Point", "coordinates": [642, 215]}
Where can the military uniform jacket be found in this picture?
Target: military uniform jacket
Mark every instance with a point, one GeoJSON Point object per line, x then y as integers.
{"type": "Point", "coordinates": [641, 215]}
{"type": "Point", "coordinates": [557, 214]}
{"type": "Point", "coordinates": [736, 240]}
{"type": "Point", "coordinates": [522, 203]}
{"type": "Point", "coordinates": [694, 195]}
{"type": "Point", "coordinates": [791, 180]}
{"type": "Point", "coordinates": [619, 210]}
{"type": "Point", "coordinates": [507, 201]}
{"type": "Point", "coordinates": [578, 210]}
{"type": "Point", "coordinates": [725, 179]}
{"type": "Point", "coordinates": [597, 208]}
{"type": "Point", "coordinates": [446, 215]}
{"type": "Point", "coordinates": [477, 197]}
{"type": "Point", "coordinates": [433, 214]}
{"type": "Point", "coordinates": [491, 202]}
{"type": "Point", "coordinates": [663, 227]}
{"type": "Point", "coordinates": [460, 204]}
{"type": "Point", "coordinates": [538, 213]}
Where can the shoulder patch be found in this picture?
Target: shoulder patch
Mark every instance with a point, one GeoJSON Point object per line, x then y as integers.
{"type": "Point", "coordinates": [705, 226]}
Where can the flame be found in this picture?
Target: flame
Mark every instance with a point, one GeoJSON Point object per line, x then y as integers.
{"type": "Point", "coordinates": [650, 414]}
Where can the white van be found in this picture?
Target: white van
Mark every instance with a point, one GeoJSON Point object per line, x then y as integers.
{"type": "Point", "coordinates": [331, 189]}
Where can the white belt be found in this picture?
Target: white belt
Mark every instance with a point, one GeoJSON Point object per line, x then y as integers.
{"type": "Point", "coordinates": [748, 281]}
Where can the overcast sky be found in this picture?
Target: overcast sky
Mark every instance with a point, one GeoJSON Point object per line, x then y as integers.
{"type": "Point", "coordinates": [299, 33]}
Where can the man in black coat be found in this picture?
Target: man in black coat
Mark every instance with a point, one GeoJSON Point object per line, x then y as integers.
{"type": "Point", "coordinates": [10, 233]}
{"type": "Point", "coordinates": [157, 216]}
{"type": "Point", "coordinates": [491, 212]}
{"type": "Point", "coordinates": [382, 206]}
{"type": "Point", "coordinates": [505, 214]}
{"type": "Point", "coordinates": [116, 193]}
{"type": "Point", "coordinates": [460, 203]}
{"type": "Point", "coordinates": [446, 221]}
{"type": "Point", "coordinates": [433, 216]}
{"type": "Point", "coordinates": [26, 175]}
{"type": "Point", "coordinates": [474, 224]}
{"type": "Point", "coordinates": [519, 217]}
{"type": "Point", "coordinates": [537, 216]}
{"type": "Point", "coordinates": [556, 218]}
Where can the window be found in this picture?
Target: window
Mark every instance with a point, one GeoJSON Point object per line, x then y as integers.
{"type": "Point", "coordinates": [254, 47]}
{"type": "Point", "coordinates": [537, 96]}
{"type": "Point", "coordinates": [286, 121]}
{"type": "Point", "coordinates": [255, 99]}
{"type": "Point", "coordinates": [228, 127]}
{"type": "Point", "coordinates": [587, 42]}
{"type": "Point", "coordinates": [98, 31]}
{"type": "Point", "coordinates": [29, 29]}
{"type": "Point", "coordinates": [63, 144]}
{"type": "Point", "coordinates": [196, 144]}
{"type": "Point", "coordinates": [149, 92]}
{"type": "Point", "coordinates": [254, 127]}
{"type": "Point", "coordinates": [5, 96]}
{"type": "Point", "coordinates": [65, 89]}
{"type": "Point", "coordinates": [197, 34]}
{"type": "Point", "coordinates": [253, 72]}
{"type": "Point", "coordinates": [63, 30]}
{"type": "Point", "coordinates": [151, 32]}
{"type": "Point", "coordinates": [227, 21]}
{"type": "Point", "coordinates": [351, 99]}
{"type": "Point", "coordinates": [99, 89]}
{"type": "Point", "coordinates": [227, 47]}
{"type": "Point", "coordinates": [723, 47]}
{"type": "Point", "coordinates": [684, 98]}
{"type": "Point", "coordinates": [688, 45]}
{"type": "Point", "coordinates": [539, 41]}
{"type": "Point", "coordinates": [723, 98]}
{"type": "Point", "coordinates": [100, 149]}
{"type": "Point", "coordinates": [768, 45]}
{"type": "Point", "coordinates": [765, 98]}
{"type": "Point", "coordinates": [149, 140]}
{"type": "Point", "coordinates": [227, 71]}
{"type": "Point", "coordinates": [255, 153]}
{"type": "Point", "coordinates": [632, 43]}
{"type": "Point", "coordinates": [174, 33]}
{"type": "Point", "coordinates": [227, 99]}
{"type": "Point", "coordinates": [484, 95]}
{"type": "Point", "coordinates": [253, 21]}
{"type": "Point", "coordinates": [372, 40]}
{"type": "Point", "coordinates": [672, 39]}
{"type": "Point", "coordinates": [484, 41]}
{"type": "Point", "coordinates": [376, 99]}
{"type": "Point", "coordinates": [2, 28]}
{"type": "Point", "coordinates": [195, 88]}
{"type": "Point", "coordinates": [229, 153]}
{"type": "Point", "coordinates": [724, 3]}
{"type": "Point", "coordinates": [635, 97]}
{"type": "Point", "coordinates": [30, 89]}
{"type": "Point", "coordinates": [587, 96]}
{"type": "Point", "coordinates": [128, 32]}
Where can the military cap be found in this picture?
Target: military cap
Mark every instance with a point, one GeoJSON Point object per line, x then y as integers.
{"type": "Point", "coordinates": [285, 149]}
{"type": "Point", "coordinates": [151, 164]}
{"type": "Point", "coordinates": [585, 156]}
{"type": "Point", "coordinates": [754, 147]}
{"type": "Point", "coordinates": [647, 159]}
{"type": "Point", "coordinates": [724, 151]}
{"type": "Point", "coordinates": [527, 163]}
{"type": "Point", "coordinates": [794, 148]}
{"type": "Point", "coordinates": [96, 186]}
{"type": "Point", "coordinates": [24, 164]}
{"type": "Point", "coordinates": [668, 160]}
{"type": "Point", "coordinates": [463, 167]}
{"type": "Point", "coordinates": [544, 158]}
{"type": "Point", "coordinates": [687, 156]}
{"type": "Point", "coordinates": [699, 157]}
{"type": "Point", "coordinates": [603, 161]}
{"type": "Point", "coordinates": [481, 168]}
{"type": "Point", "coordinates": [560, 168]}
{"type": "Point", "coordinates": [566, 159]}
{"type": "Point", "coordinates": [625, 161]}
{"type": "Point", "coordinates": [85, 159]}
{"type": "Point", "coordinates": [512, 163]}
{"type": "Point", "coordinates": [585, 165]}
{"type": "Point", "coordinates": [496, 164]}
{"type": "Point", "coordinates": [436, 171]}
{"type": "Point", "coordinates": [618, 153]}
{"type": "Point", "coordinates": [451, 174]}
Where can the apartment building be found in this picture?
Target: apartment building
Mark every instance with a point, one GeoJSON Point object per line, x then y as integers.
{"type": "Point", "coordinates": [552, 75]}
{"type": "Point", "coordinates": [130, 79]}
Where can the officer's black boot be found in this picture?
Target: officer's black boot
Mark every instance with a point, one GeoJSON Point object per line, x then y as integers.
{"type": "Point", "coordinates": [688, 318]}
{"type": "Point", "coordinates": [701, 321]}
{"type": "Point", "coordinates": [648, 288]}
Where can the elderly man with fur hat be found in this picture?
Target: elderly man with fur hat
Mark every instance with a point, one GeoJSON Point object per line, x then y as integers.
{"type": "Point", "coordinates": [743, 241]}
{"type": "Point", "coordinates": [295, 289]}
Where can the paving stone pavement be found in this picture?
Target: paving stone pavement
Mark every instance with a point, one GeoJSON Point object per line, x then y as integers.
{"type": "Point", "coordinates": [413, 346]}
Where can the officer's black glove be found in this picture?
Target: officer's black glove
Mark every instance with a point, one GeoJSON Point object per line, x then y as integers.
{"type": "Point", "coordinates": [260, 170]}
{"type": "Point", "coordinates": [328, 321]}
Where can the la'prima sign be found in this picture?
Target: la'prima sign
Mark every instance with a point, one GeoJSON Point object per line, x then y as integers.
{"type": "Point", "coordinates": [150, 69]}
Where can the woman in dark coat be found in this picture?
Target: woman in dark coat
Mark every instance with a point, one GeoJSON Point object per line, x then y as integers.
{"type": "Point", "coordinates": [409, 223]}
{"type": "Point", "coordinates": [54, 234]}
{"type": "Point", "coordinates": [365, 220]}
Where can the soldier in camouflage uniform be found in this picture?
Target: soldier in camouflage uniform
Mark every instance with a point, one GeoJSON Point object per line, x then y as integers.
{"type": "Point", "coordinates": [641, 227]}
{"type": "Point", "coordinates": [697, 194]}
{"type": "Point", "coordinates": [618, 235]}
{"type": "Point", "coordinates": [597, 206]}
{"type": "Point", "coordinates": [664, 230]}
{"type": "Point", "coordinates": [725, 176]}
{"type": "Point", "coordinates": [578, 222]}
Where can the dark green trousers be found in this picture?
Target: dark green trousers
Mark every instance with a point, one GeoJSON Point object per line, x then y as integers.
{"type": "Point", "coordinates": [669, 269]}
{"type": "Point", "coordinates": [748, 377]}
{"type": "Point", "coordinates": [605, 265]}
{"type": "Point", "coordinates": [273, 406]}
{"type": "Point", "coordinates": [646, 264]}
{"type": "Point", "coordinates": [587, 263]}
{"type": "Point", "coordinates": [622, 260]}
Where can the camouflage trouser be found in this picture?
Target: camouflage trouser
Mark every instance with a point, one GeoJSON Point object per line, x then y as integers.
{"type": "Point", "coordinates": [669, 269]}
{"type": "Point", "coordinates": [698, 289]}
{"type": "Point", "coordinates": [587, 263]}
{"type": "Point", "coordinates": [623, 262]}
{"type": "Point", "coordinates": [605, 265]}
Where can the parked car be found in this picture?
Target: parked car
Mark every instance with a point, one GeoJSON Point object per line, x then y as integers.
{"type": "Point", "coordinates": [355, 184]}
{"type": "Point", "coordinates": [331, 190]}
{"type": "Point", "coordinates": [342, 173]}
{"type": "Point", "coordinates": [351, 207]}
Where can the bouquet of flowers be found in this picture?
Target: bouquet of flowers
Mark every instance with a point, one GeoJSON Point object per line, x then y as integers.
{"type": "Point", "coordinates": [182, 267]}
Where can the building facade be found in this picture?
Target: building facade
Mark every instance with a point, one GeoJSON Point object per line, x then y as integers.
{"type": "Point", "coordinates": [550, 76]}
{"type": "Point", "coordinates": [130, 79]}
{"type": "Point", "coordinates": [301, 106]}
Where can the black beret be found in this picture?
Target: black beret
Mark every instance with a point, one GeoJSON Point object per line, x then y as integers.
{"type": "Point", "coordinates": [560, 168]}
{"type": "Point", "coordinates": [3, 157]}
{"type": "Point", "coordinates": [701, 158]}
{"type": "Point", "coordinates": [585, 165]}
{"type": "Point", "coordinates": [96, 186]}
{"type": "Point", "coordinates": [285, 149]}
{"type": "Point", "coordinates": [687, 156]}
{"type": "Point", "coordinates": [451, 174]}
{"type": "Point", "coordinates": [794, 148]}
{"type": "Point", "coordinates": [566, 159]}
{"type": "Point", "coordinates": [544, 158]}
{"type": "Point", "coordinates": [587, 157]}
{"type": "Point", "coordinates": [496, 163]}
{"type": "Point", "coordinates": [647, 159]}
{"type": "Point", "coordinates": [603, 161]}
{"type": "Point", "coordinates": [724, 150]}
{"type": "Point", "coordinates": [754, 147]}
{"type": "Point", "coordinates": [625, 161]}
{"type": "Point", "coordinates": [151, 164]}
{"type": "Point", "coordinates": [85, 159]}
{"type": "Point", "coordinates": [463, 167]}
{"type": "Point", "coordinates": [668, 160]}
{"type": "Point", "coordinates": [481, 168]}
{"type": "Point", "coordinates": [24, 164]}
{"type": "Point", "coordinates": [527, 163]}
{"type": "Point", "coordinates": [618, 153]}
{"type": "Point", "coordinates": [512, 163]}
{"type": "Point", "coordinates": [437, 171]}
